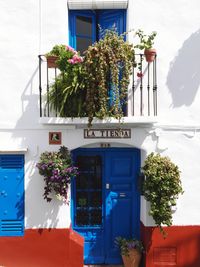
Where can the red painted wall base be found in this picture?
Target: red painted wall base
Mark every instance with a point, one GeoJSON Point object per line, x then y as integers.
{"type": "Point", "coordinates": [181, 247]}
{"type": "Point", "coordinates": [42, 248]}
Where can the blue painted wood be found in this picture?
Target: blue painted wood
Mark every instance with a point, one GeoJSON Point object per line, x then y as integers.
{"type": "Point", "coordinates": [72, 25]}
{"type": "Point", "coordinates": [121, 204]}
{"type": "Point", "coordinates": [112, 20]}
{"type": "Point", "coordinates": [11, 195]}
{"type": "Point", "coordinates": [122, 200]}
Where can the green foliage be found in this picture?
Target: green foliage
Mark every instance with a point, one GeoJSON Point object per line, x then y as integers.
{"type": "Point", "coordinates": [82, 87]}
{"type": "Point", "coordinates": [108, 63]}
{"type": "Point", "coordinates": [146, 41]}
{"type": "Point", "coordinates": [125, 245]}
{"type": "Point", "coordinates": [161, 188]}
{"type": "Point", "coordinates": [67, 94]}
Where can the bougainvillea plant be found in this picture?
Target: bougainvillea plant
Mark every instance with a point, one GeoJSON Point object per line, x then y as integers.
{"type": "Point", "coordinates": [161, 188]}
{"type": "Point", "coordinates": [57, 169]}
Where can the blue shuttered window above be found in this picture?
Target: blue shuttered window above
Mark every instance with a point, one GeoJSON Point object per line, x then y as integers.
{"type": "Point", "coordinates": [11, 195]}
{"type": "Point", "coordinates": [88, 26]}
{"type": "Point", "coordinates": [83, 25]}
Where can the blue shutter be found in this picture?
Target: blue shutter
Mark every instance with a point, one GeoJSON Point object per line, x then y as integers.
{"type": "Point", "coordinates": [112, 19]}
{"type": "Point", "coordinates": [73, 35]}
{"type": "Point", "coordinates": [11, 195]}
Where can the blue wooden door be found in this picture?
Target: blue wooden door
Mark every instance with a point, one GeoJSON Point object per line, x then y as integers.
{"type": "Point", "coordinates": [105, 201]}
{"type": "Point", "coordinates": [11, 195]}
{"type": "Point", "coordinates": [121, 199]}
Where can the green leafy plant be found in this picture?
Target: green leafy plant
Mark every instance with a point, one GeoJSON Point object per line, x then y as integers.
{"type": "Point", "coordinates": [108, 64]}
{"type": "Point", "coordinates": [57, 169]}
{"type": "Point", "coordinates": [146, 41]}
{"type": "Point", "coordinates": [125, 245]}
{"type": "Point", "coordinates": [66, 95]}
{"type": "Point", "coordinates": [161, 188]}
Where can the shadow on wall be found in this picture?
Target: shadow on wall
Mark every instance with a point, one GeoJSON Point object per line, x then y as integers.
{"type": "Point", "coordinates": [29, 103]}
{"type": "Point", "coordinates": [44, 215]}
{"type": "Point", "coordinates": [183, 78]}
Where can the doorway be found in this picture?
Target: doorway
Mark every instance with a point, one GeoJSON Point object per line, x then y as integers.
{"type": "Point", "coordinates": [105, 201]}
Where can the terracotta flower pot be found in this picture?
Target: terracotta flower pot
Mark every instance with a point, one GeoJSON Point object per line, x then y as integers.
{"type": "Point", "coordinates": [150, 54]}
{"type": "Point", "coordinates": [51, 61]}
{"type": "Point", "coordinates": [133, 260]}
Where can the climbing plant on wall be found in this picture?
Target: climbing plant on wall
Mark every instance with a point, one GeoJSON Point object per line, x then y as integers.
{"type": "Point", "coordinates": [161, 188]}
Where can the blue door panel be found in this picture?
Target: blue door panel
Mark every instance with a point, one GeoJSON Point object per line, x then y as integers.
{"type": "Point", "coordinates": [11, 195]}
{"type": "Point", "coordinates": [93, 245]}
{"type": "Point", "coordinates": [121, 173]}
{"type": "Point", "coordinates": [121, 204]}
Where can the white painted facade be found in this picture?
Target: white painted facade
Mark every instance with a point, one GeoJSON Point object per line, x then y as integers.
{"type": "Point", "coordinates": [30, 28]}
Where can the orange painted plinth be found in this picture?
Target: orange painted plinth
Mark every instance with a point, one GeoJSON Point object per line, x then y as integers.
{"type": "Point", "coordinates": [42, 248]}
{"type": "Point", "coordinates": [179, 249]}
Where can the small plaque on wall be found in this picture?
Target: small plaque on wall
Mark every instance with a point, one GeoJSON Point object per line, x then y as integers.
{"type": "Point", "coordinates": [55, 138]}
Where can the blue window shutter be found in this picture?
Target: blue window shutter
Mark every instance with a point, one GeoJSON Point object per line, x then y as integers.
{"type": "Point", "coordinates": [112, 19]}
{"type": "Point", "coordinates": [73, 35]}
{"type": "Point", "coordinates": [11, 195]}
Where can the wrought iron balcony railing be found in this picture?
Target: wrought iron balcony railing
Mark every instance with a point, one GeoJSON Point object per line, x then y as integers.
{"type": "Point", "coordinates": [142, 93]}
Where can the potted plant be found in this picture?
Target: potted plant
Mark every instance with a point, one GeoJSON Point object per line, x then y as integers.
{"type": "Point", "coordinates": [62, 54]}
{"type": "Point", "coordinates": [66, 95]}
{"type": "Point", "coordinates": [57, 169]}
{"type": "Point", "coordinates": [131, 251]}
{"type": "Point", "coordinates": [161, 188]}
{"type": "Point", "coordinates": [146, 44]}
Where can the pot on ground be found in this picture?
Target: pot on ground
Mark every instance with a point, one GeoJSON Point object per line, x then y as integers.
{"type": "Point", "coordinates": [133, 259]}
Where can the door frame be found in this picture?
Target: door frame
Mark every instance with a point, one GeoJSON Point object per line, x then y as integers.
{"type": "Point", "coordinates": [101, 151]}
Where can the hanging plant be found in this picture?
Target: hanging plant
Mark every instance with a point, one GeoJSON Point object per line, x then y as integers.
{"type": "Point", "coordinates": [108, 64]}
{"type": "Point", "coordinates": [57, 169]}
{"type": "Point", "coordinates": [161, 188]}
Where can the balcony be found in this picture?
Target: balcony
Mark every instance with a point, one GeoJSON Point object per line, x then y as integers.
{"type": "Point", "coordinates": [141, 106]}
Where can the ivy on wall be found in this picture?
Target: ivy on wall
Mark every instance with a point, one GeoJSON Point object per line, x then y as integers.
{"type": "Point", "coordinates": [161, 188]}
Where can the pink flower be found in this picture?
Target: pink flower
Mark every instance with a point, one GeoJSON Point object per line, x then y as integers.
{"type": "Point", "coordinates": [71, 61]}
{"type": "Point", "coordinates": [140, 74]}
{"type": "Point", "coordinates": [75, 59]}
{"type": "Point", "coordinates": [71, 49]}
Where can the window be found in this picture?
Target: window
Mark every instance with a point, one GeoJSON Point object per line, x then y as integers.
{"type": "Point", "coordinates": [84, 29]}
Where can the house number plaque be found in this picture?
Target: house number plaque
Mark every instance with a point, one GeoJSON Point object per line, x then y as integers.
{"type": "Point", "coordinates": [107, 133]}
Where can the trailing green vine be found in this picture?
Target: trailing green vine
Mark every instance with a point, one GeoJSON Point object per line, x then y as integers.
{"type": "Point", "coordinates": [161, 188]}
{"type": "Point", "coordinates": [108, 64]}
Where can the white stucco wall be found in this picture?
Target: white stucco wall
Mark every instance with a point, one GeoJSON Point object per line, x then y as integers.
{"type": "Point", "coordinates": [29, 28]}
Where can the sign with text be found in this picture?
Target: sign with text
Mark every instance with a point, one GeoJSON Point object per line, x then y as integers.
{"type": "Point", "coordinates": [107, 133]}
